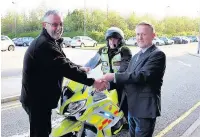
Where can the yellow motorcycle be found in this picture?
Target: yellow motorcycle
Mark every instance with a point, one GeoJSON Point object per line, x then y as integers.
{"type": "Point", "coordinates": [83, 109]}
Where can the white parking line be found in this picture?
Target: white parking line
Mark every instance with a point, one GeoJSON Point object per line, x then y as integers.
{"type": "Point", "coordinates": [192, 128]}
{"type": "Point", "coordinates": [22, 135]}
{"type": "Point", "coordinates": [11, 106]}
{"type": "Point", "coordinates": [54, 123]}
{"type": "Point", "coordinates": [12, 77]}
{"type": "Point", "coordinates": [177, 121]}
{"type": "Point", "coordinates": [7, 107]}
{"type": "Point", "coordinates": [188, 65]}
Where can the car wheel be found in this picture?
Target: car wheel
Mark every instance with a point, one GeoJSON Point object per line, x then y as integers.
{"type": "Point", "coordinates": [63, 45]}
{"type": "Point", "coordinates": [24, 45]}
{"type": "Point", "coordinates": [82, 45]}
{"type": "Point", "coordinates": [136, 44]}
{"type": "Point", "coordinates": [11, 48]}
{"type": "Point", "coordinates": [95, 44]}
{"type": "Point", "coordinates": [157, 44]}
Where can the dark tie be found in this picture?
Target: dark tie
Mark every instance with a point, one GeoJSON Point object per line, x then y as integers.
{"type": "Point", "coordinates": [139, 55]}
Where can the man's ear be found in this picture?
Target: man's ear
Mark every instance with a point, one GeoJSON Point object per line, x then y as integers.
{"type": "Point", "coordinates": [43, 24]}
{"type": "Point", "coordinates": [154, 35]}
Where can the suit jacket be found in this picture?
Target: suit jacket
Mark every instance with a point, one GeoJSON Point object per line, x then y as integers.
{"type": "Point", "coordinates": [142, 83]}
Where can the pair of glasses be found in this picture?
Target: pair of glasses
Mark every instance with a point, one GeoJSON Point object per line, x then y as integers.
{"type": "Point", "coordinates": [55, 24]}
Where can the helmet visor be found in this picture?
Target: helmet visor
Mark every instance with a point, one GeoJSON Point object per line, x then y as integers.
{"type": "Point", "coordinates": [114, 35]}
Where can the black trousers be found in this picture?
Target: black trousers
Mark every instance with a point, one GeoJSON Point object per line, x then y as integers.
{"type": "Point", "coordinates": [141, 127]}
{"type": "Point", "coordinates": [124, 106]}
{"type": "Point", "coordinates": [40, 121]}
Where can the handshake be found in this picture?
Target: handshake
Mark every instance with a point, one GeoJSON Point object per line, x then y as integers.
{"type": "Point", "coordinates": [103, 83]}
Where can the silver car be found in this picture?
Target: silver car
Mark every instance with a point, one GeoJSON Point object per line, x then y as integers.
{"type": "Point", "coordinates": [83, 41]}
{"type": "Point", "coordinates": [66, 42]}
{"type": "Point", "coordinates": [158, 42]}
{"type": "Point", "coordinates": [7, 43]}
{"type": "Point", "coordinates": [131, 41]}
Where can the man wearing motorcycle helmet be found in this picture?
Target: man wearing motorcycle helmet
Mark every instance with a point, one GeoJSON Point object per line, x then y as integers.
{"type": "Point", "coordinates": [114, 57]}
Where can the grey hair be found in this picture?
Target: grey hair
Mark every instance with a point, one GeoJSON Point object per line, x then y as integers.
{"type": "Point", "coordinates": [147, 24]}
{"type": "Point", "coordinates": [50, 12]}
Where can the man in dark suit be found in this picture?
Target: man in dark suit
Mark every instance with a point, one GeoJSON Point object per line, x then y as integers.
{"type": "Point", "coordinates": [142, 83]}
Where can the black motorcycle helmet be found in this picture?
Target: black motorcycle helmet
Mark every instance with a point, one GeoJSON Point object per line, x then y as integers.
{"type": "Point", "coordinates": [115, 32]}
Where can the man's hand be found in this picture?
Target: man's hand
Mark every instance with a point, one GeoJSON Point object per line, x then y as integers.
{"type": "Point", "coordinates": [100, 84]}
{"type": "Point", "coordinates": [86, 69]}
{"type": "Point", "coordinates": [108, 77]}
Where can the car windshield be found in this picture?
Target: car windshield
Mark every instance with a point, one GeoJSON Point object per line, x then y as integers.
{"type": "Point", "coordinates": [4, 38]}
{"type": "Point", "coordinates": [66, 38]}
{"type": "Point", "coordinates": [87, 38]}
{"type": "Point", "coordinates": [75, 38]}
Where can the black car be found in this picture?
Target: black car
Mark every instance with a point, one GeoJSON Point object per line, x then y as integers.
{"type": "Point", "coordinates": [179, 40]}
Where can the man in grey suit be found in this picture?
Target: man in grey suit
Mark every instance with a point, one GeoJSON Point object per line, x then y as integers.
{"type": "Point", "coordinates": [142, 83]}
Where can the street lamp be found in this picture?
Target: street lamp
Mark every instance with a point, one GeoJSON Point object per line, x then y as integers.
{"type": "Point", "coordinates": [198, 48]}
{"type": "Point", "coordinates": [199, 24]}
{"type": "Point", "coordinates": [84, 17]}
{"type": "Point", "coordinates": [166, 8]}
{"type": "Point", "coordinates": [15, 20]}
{"type": "Point", "coordinates": [166, 15]}
{"type": "Point", "coordinates": [107, 8]}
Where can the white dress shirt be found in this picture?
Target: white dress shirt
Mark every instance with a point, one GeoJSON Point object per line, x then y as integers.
{"type": "Point", "coordinates": [143, 51]}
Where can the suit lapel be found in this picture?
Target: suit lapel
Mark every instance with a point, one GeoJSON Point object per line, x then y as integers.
{"type": "Point", "coordinates": [143, 56]}
{"type": "Point", "coordinates": [132, 62]}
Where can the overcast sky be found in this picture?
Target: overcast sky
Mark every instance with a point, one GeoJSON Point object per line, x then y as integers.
{"type": "Point", "coordinates": [158, 8]}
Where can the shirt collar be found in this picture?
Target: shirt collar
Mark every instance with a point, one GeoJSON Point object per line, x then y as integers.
{"type": "Point", "coordinates": [145, 49]}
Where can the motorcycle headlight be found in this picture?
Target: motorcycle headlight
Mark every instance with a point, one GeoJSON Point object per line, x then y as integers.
{"type": "Point", "coordinates": [74, 107]}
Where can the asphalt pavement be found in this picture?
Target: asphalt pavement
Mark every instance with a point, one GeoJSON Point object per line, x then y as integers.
{"type": "Point", "coordinates": [180, 93]}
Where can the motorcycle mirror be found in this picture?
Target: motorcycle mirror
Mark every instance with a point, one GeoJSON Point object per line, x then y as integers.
{"type": "Point", "coordinates": [83, 89]}
{"type": "Point", "coordinates": [93, 92]}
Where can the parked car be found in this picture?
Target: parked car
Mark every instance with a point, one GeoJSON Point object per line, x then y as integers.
{"type": "Point", "coordinates": [193, 38]}
{"type": "Point", "coordinates": [180, 40]}
{"type": "Point", "coordinates": [131, 41]}
{"type": "Point", "coordinates": [158, 42]}
{"type": "Point", "coordinates": [186, 39]}
{"type": "Point", "coordinates": [167, 40]}
{"type": "Point", "coordinates": [177, 40]}
{"type": "Point", "coordinates": [66, 42]}
{"type": "Point", "coordinates": [14, 39]}
{"type": "Point", "coordinates": [7, 43]}
{"type": "Point", "coordinates": [83, 41]}
{"type": "Point", "coordinates": [24, 41]}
